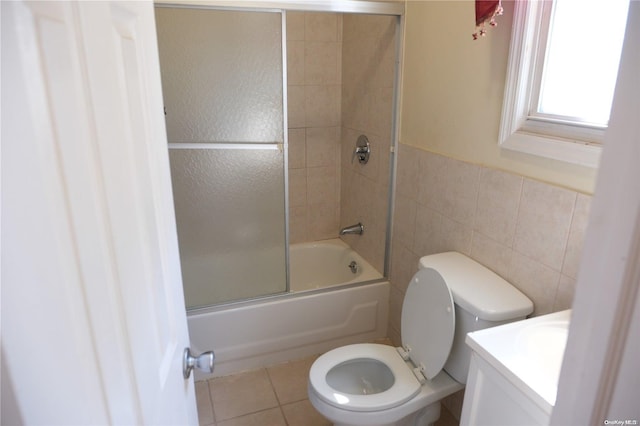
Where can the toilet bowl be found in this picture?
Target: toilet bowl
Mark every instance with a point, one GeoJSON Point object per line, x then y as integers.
{"type": "Point", "coordinates": [351, 394]}
{"type": "Point", "coordinates": [367, 377]}
{"type": "Point", "coordinates": [373, 384]}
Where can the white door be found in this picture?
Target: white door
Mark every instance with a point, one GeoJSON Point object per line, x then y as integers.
{"type": "Point", "coordinates": [93, 318]}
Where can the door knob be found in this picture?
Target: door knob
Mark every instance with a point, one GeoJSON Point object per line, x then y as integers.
{"type": "Point", "coordinates": [203, 362]}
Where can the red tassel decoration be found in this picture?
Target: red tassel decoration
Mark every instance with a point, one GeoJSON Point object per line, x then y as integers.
{"type": "Point", "coordinates": [486, 10]}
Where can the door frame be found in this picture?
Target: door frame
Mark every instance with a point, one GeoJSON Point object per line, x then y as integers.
{"type": "Point", "coordinates": [599, 370]}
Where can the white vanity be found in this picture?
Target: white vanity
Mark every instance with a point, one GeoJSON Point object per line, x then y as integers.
{"type": "Point", "coordinates": [514, 371]}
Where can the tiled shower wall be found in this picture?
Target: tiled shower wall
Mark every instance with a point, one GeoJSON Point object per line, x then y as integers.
{"type": "Point", "coordinates": [314, 50]}
{"type": "Point", "coordinates": [369, 46]}
{"type": "Point", "coordinates": [340, 85]}
{"type": "Point", "coordinates": [528, 232]}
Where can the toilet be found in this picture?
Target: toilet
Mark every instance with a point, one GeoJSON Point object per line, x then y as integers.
{"type": "Point", "coordinates": [371, 384]}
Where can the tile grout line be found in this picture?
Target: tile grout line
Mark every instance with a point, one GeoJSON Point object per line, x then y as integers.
{"type": "Point", "coordinates": [210, 394]}
{"type": "Point", "coordinates": [273, 388]}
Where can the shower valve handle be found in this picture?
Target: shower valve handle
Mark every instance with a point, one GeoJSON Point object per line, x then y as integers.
{"type": "Point", "coordinates": [362, 150]}
{"type": "Point", "coordinates": [203, 362]}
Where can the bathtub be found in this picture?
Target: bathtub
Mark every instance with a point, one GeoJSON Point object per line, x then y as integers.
{"type": "Point", "coordinates": [327, 263]}
{"type": "Point", "coordinates": [330, 304]}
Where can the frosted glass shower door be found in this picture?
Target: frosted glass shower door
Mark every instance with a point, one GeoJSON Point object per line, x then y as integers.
{"type": "Point", "coordinates": [222, 81]}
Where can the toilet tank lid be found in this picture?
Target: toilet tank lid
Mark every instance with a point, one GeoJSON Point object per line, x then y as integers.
{"type": "Point", "coordinates": [478, 290]}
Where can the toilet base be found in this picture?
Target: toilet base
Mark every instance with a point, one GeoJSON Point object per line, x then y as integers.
{"type": "Point", "coordinates": [425, 416]}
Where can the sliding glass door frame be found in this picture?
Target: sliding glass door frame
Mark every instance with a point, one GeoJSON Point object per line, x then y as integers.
{"type": "Point", "coordinates": [275, 145]}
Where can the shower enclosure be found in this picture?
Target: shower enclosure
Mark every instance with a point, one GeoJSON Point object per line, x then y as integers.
{"type": "Point", "coordinates": [222, 77]}
{"type": "Point", "coordinates": [263, 111]}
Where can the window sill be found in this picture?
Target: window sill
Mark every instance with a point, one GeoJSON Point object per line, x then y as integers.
{"type": "Point", "coordinates": [558, 149]}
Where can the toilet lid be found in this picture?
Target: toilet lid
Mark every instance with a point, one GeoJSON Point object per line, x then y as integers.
{"type": "Point", "coordinates": [428, 321]}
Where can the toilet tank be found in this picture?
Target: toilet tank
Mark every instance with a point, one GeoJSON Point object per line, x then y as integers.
{"type": "Point", "coordinates": [482, 299]}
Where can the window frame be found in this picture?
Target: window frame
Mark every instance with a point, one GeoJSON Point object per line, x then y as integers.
{"type": "Point", "coordinates": [557, 138]}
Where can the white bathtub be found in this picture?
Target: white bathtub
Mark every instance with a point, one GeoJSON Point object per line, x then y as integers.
{"type": "Point", "coordinates": [326, 263]}
{"type": "Point", "coordinates": [325, 309]}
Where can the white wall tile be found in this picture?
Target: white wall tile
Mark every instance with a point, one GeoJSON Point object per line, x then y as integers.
{"type": "Point", "coordinates": [295, 62]}
{"type": "Point", "coordinates": [565, 293]}
{"type": "Point", "coordinates": [347, 203]}
{"type": "Point", "coordinates": [543, 222]}
{"type": "Point", "coordinates": [539, 282]}
{"type": "Point", "coordinates": [404, 264]}
{"type": "Point", "coordinates": [321, 185]}
{"type": "Point", "coordinates": [297, 187]}
{"type": "Point", "coordinates": [314, 77]}
{"type": "Point", "coordinates": [427, 224]}
{"type": "Point", "coordinates": [404, 220]}
{"type": "Point", "coordinates": [322, 146]}
{"type": "Point", "coordinates": [296, 106]}
{"type": "Point", "coordinates": [298, 224]}
{"type": "Point", "coordinates": [323, 221]}
{"type": "Point", "coordinates": [322, 106]}
{"type": "Point", "coordinates": [321, 26]}
{"type": "Point", "coordinates": [523, 230]}
{"type": "Point", "coordinates": [576, 236]}
{"type": "Point", "coordinates": [295, 25]}
{"type": "Point", "coordinates": [321, 62]}
{"type": "Point", "coordinates": [432, 180]}
{"type": "Point", "coordinates": [297, 149]}
{"type": "Point", "coordinates": [461, 191]}
{"type": "Point", "coordinates": [454, 236]}
{"type": "Point", "coordinates": [491, 254]}
{"type": "Point", "coordinates": [498, 200]}
{"type": "Point", "coordinates": [381, 111]}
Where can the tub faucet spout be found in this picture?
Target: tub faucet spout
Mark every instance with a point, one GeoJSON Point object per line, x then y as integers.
{"type": "Point", "coordinates": [358, 228]}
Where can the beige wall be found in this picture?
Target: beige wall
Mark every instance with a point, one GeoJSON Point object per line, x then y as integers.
{"type": "Point", "coordinates": [453, 88]}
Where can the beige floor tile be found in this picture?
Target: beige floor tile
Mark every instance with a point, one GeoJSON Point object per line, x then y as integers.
{"type": "Point", "coordinates": [271, 417]}
{"type": "Point", "coordinates": [241, 394]}
{"type": "Point", "coordinates": [302, 413]}
{"type": "Point", "coordinates": [290, 379]}
{"type": "Point", "coordinates": [203, 402]}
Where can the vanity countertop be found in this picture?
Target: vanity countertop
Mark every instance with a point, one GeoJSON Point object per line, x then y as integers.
{"type": "Point", "coordinates": [528, 353]}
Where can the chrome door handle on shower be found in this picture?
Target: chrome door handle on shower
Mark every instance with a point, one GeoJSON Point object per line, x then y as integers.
{"type": "Point", "coordinates": [203, 362]}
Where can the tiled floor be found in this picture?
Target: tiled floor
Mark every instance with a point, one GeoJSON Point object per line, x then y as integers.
{"type": "Point", "coordinates": [270, 396]}
{"type": "Point", "coordinates": [273, 396]}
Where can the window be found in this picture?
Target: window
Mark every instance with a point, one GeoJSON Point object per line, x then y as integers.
{"type": "Point", "coordinates": [562, 70]}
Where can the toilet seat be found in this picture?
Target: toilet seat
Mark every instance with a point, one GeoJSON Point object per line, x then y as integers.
{"type": "Point", "coordinates": [428, 325]}
{"type": "Point", "coordinates": [405, 385]}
